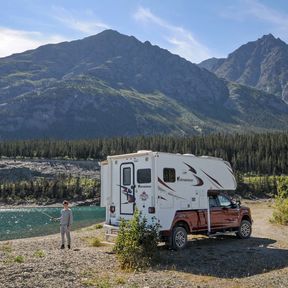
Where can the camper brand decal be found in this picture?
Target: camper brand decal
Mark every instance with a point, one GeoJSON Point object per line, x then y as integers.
{"type": "Point", "coordinates": [144, 196]}
{"type": "Point", "coordinates": [194, 172]}
{"type": "Point", "coordinates": [184, 179]}
{"type": "Point", "coordinates": [144, 186]}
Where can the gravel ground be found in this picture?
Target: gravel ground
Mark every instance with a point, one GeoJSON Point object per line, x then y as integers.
{"type": "Point", "coordinates": [261, 261]}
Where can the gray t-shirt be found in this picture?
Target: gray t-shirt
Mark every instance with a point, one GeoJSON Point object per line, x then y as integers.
{"type": "Point", "coordinates": [66, 217]}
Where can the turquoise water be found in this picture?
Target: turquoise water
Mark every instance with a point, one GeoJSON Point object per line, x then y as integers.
{"type": "Point", "coordinates": [29, 222]}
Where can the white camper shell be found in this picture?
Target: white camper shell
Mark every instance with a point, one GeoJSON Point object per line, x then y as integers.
{"type": "Point", "coordinates": [160, 184]}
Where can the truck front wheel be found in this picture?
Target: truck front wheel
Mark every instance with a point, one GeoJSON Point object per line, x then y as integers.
{"type": "Point", "coordinates": [245, 230]}
{"type": "Point", "coordinates": [179, 238]}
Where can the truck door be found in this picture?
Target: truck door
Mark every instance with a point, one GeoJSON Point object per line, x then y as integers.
{"type": "Point", "coordinates": [127, 188]}
{"type": "Point", "coordinates": [216, 212]}
{"type": "Point", "coordinates": [230, 214]}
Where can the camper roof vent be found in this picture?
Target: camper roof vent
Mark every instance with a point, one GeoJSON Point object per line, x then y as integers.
{"type": "Point", "coordinates": [187, 154]}
{"type": "Point", "coordinates": [211, 157]}
{"type": "Point", "coordinates": [143, 151]}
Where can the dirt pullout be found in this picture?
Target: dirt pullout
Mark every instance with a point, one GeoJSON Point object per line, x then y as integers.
{"type": "Point", "coordinates": [261, 261]}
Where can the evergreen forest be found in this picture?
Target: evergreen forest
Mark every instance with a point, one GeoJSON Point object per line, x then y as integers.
{"type": "Point", "coordinates": [258, 160]}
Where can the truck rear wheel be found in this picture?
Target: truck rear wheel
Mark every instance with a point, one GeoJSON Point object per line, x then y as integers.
{"type": "Point", "coordinates": [179, 238]}
{"type": "Point", "coordinates": [245, 230]}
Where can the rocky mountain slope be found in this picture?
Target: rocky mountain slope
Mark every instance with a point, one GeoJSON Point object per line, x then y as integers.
{"type": "Point", "coordinates": [262, 64]}
{"type": "Point", "coordinates": [112, 84]}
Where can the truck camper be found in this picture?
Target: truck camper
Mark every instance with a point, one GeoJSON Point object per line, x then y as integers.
{"type": "Point", "coordinates": [184, 193]}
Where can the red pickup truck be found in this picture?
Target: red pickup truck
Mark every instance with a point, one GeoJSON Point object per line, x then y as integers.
{"type": "Point", "coordinates": [225, 216]}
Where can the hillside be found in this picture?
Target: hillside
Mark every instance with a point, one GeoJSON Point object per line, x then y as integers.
{"type": "Point", "coordinates": [111, 84]}
{"type": "Point", "coordinates": [262, 64]}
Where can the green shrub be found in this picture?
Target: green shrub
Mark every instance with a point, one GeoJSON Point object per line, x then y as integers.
{"type": "Point", "coordinates": [39, 254]}
{"type": "Point", "coordinates": [19, 259]}
{"type": "Point", "coordinates": [280, 213]}
{"type": "Point", "coordinates": [136, 243]}
{"type": "Point", "coordinates": [98, 226]}
{"type": "Point", "coordinates": [94, 241]}
{"type": "Point", "coordinates": [6, 247]}
{"type": "Point", "coordinates": [283, 187]}
{"type": "Point", "coordinates": [99, 282]}
{"type": "Point", "coordinates": [120, 281]}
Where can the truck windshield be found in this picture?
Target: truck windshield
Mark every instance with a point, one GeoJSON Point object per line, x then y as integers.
{"type": "Point", "coordinates": [224, 201]}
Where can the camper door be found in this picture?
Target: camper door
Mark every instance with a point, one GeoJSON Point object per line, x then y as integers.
{"type": "Point", "coordinates": [127, 188]}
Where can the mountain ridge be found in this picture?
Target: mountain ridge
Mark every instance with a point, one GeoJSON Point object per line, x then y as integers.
{"type": "Point", "coordinates": [262, 64]}
{"type": "Point", "coordinates": [112, 84]}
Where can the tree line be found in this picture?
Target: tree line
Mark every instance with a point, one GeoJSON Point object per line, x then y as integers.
{"type": "Point", "coordinates": [265, 154]}
{"type": "Point", "coordinates": [44, 190]}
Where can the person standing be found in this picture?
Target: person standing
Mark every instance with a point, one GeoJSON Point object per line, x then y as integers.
{"type": "Point", "coordinates": [66, 221]}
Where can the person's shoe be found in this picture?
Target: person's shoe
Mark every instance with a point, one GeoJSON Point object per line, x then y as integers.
{"type": "Point", "coordinates": [69, 247]}
{"type": "Point", "coordinates": [62, 246]}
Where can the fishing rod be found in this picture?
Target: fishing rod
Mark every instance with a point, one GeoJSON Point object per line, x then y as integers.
{"type": "Point", "coordinates": [50, 217]}
{"type": "Point", "coordinates": [46, 214]}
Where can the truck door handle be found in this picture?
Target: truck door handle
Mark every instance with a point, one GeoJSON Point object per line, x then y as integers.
{"type": "Point", "coordinates": [133, 186]}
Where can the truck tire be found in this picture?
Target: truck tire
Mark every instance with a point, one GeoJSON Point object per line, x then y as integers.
{"type": "Point", "coordinates": [244, 230]}
{"type": "Point", "coordinates": [179, 238]}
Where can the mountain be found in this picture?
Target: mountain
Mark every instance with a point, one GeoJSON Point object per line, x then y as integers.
{"type": "Point", "coordinates": [111, 84]}
{"type": "Point", "coordinates": [262, 64]}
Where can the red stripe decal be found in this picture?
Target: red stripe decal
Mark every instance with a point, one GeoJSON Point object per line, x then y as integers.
{"type": "Point", "coordinates": [200, 181]}
{"type": "Point", "coordinates": [159, 180]}
{"type": "Point", "coordinates": [191, 168]}
{"type": "Point", "coordinates": [212, 178]}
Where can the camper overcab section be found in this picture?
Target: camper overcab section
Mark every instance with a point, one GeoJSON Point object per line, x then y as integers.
{"type": "Point", "coordinates": [164, 187]}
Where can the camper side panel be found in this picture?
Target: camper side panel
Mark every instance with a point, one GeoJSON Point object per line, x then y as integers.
{"type": "Point", "coordinates": [104, 184]}
{"type": "Point", "coordinates": [178, 188]}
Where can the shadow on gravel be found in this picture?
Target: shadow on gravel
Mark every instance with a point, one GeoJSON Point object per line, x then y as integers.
{"type": "Point", "coordinates": [226, 257]}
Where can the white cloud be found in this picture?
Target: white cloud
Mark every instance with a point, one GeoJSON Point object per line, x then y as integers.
{"type": "Point", "coordinates": [16, 41]}
{"type": "Point", "coordinates": [87, 27]}
{"type": "Point", "coordinates": [253, 9]}
{"type": "Point", "coordinates": [263, 12]}
{"type": "Point", "coordinates": [179, 40]}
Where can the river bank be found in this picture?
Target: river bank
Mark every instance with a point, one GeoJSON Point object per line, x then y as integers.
{"type": "Point", "coordinates": [261, 261]}
{"type": "Point", "coordinates": [88, 202]}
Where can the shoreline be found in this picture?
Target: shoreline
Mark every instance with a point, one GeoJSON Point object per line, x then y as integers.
{"type": "Point", "coordinates": [88, 202]}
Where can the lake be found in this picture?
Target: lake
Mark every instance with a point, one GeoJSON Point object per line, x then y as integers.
{"type": "Point", "coordinates": [29, 222]}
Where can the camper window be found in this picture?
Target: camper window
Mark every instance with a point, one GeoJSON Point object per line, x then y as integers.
{"type": "Point", "coordinates": [127, 176]}
{"type": "Point", "coordinates": [144, 176]}
{"type": "Point", "coordinates": [169, 175]}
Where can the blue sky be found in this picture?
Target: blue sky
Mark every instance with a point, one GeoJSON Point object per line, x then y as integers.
{"type": "Point", "coordinates": [194, 29]}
